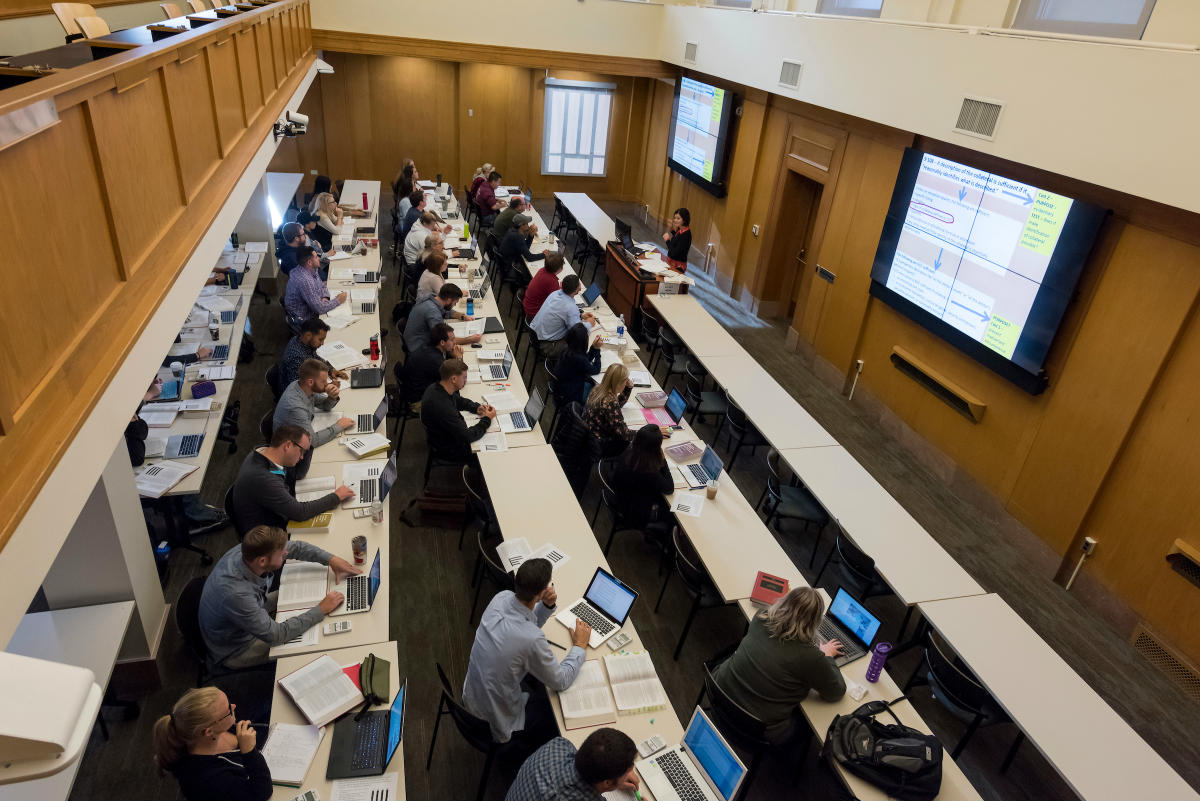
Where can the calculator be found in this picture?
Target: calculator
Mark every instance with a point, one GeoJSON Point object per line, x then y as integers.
{"type": "Point", "coordinates": [653, 745]}
{"type": "Point", "coordinates": [338, 627]}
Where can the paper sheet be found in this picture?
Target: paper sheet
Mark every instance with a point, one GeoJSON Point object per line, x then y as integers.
{"type": "Point", "coordinates": [504, 401]}
{"type": "Point", "coordinates": [552, 554]}
{"type": "Point", "coordinates": [688, 503]}
{"type": "Point", "coordinates": [153, 480]}
{"type": "Point", "coordinates": [256, 247]}
{"type": "Point", "coordinates": [313, 487]}
{"type": "Point", "coordinates": [309, 638]}
{"type": "Point", "coordinates": [492, 442]}
{"type": "Point", "coordinates": [513, 552]}
{"type": "Point", "coordinates": [157, 418]}
{"type": "Point", "coordinates": [373, 788]}
{"type": "Point", "coordinates": [155, 447]}
{"type": "Point", "coordinates": [588, 696]}
{"type": "Point", "coordinates": [290, 749]}
{"type": "Point", "coordinates": [216, 373]}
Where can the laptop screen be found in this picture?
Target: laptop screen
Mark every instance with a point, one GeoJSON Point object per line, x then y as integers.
{"type": "Point", "coordinates": [533, 409]}
{"type": "Point", "coordinates": [395, 723]}
{"type": "Point", "coordinates": [373, 580]}
{"type": "Point", "coordinates": [381, 411]}
{"type": "Point", "coordinates": [711, 463]}
{"type": "Point", "coordinates": [676, 405]}
{"type": "Point", "coordinates": [507, 361]}
{"type": "Point", "coordinates": [387, 477]}
{"type": "Point", "coordinates": [854, 617]}
{"type": "Point", "coordinates": [590, 294]}
{"type": "Point", "coordinates": [608, 594]}
{"type": "Point", "coordinates": [713, 755]}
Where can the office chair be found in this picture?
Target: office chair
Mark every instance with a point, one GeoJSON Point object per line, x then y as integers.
{"type": "Point", "coordinates": [703, 402]}
{"type": "Point", "coordinates": [92, 26]}
{"type": "Point", "coordinates": [675, 356]}
{"type": "Point", "coordinates": [272, 379]}
{"type": "Point", "coordinates": [67, 13]}
{"type": "Point", "coordinates": [480, 503]}
{"type": "Point", "coordinates": [696, 581]}
{"type": "Point", "coordinates": [170, 10]}
{"type": "Point", "coordinates": [742, 433]}
{"type": "Point", "coordinates": [487, 566]}
{"type": "Point", "coordinates": [651, 336]}
{"type": "Point", "coordinates": [576, 448]}
{"type": "Point", "coordinates": [400, 405]}
{"type": "Point", "coordinates": [857, 570]}
{"type": "Point", "coordinates": [476, 731]}
{"type": "Point", "coordinates": [791, 502]}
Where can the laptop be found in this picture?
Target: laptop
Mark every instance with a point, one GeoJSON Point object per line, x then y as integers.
{"type": "Point", "coordinates": [708, 469]}
{"type": "Point", "coordinates": [360, 590]}
{"type": "Point", "coordinates": [230, 316]}
{"type": "Point", "coordinates": [589, 296]}
{"type": "Point", "coordinates": [479, 292]}
{"type": "Point", "coordinates": [364, 745]}
{"type": "Point", "coordinates": [368, 377]}
{"type": "Point", "coordinates": [849, 622]}
{"type": "Point", "coordinates": [369, 277]}
{"type": "Point", "coordinates": [671, 412]}
{"type": "Point", "coordinates": [605, 607]}
{"type": "Point", "coordinates": [496, 372]}
{"type": "Point", "coordinates": [219, 353]}
{"type": "Point", "coordinates": [363, 301]}
{"type": "Point", "coordinates": [369, 421]}
{"type": "Point", "coordinates": [183, 446]}
{"type": "Point", "coordinates": [525, 420]}
{"type": "Point", "coordinates": [370, 481]}
{"type": "Point", "coordinates": [492, 325]}
{"type": "Point", "coordinates": [703, 767]}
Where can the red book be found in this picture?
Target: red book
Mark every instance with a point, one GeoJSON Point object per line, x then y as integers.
{"type": "Point", "coordinates": [768, 589]}
{"type": "Point", "coordinates": [352, 672]}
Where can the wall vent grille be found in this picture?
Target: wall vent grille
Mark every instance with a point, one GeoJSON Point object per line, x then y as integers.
{"type": "Point", "coordinates": [978, 117]}
{"type": "Point", "coordinates": [689, 52]}
{"type": "Point", "coordinates": [789, 74]}
{"type": "Point", "coordinates": [1167, 661]}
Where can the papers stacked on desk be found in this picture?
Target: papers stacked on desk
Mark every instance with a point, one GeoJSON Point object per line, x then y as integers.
{"type": "Point", "coordinates": [513, 553]}
{"type": "Point", "coordinates": [289, 751]}
{"type": "Point", "coordinates": [588, 701]}
{"type": "Point", "coordinates": [371, 788]}
{"type": "Point", "coordinates": [155, 480]}
{"type": "Point", "coordinates": [635, 684]}
{"type": "Point", "coordinates": [340, 355]}
{"type": "Point", "coordinates": [305, 639]}
{"type": "Point", "coordinates": [159, 417]}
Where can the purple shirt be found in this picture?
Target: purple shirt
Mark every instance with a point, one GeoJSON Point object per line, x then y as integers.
{"type": "Point", "coordinates": [485, 198]}
{"type": "Point", "coordinates": [306, 295]}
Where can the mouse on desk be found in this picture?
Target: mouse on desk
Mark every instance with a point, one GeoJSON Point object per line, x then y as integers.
{"type": "Point", "coordinates": [476, 345]}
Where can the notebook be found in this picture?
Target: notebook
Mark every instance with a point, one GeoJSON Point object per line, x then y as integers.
{"type": "Point", "coordinates": [321, 691]}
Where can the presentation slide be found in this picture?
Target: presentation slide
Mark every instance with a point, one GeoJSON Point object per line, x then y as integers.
{"type": "Point", "coordinates": [974, 249]}
{"type": "Point", "coordinates": [697, 125]}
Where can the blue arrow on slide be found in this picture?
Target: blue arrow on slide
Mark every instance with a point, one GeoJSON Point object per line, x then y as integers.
{"type": "Point", "coordinates": [969, 310]}
{"type": "Point", "coordinates": [961, 194]}
{"type": "Point", "coordinates": [1025, 198]}
{"type": "Point", "coordinates": [937, 263]}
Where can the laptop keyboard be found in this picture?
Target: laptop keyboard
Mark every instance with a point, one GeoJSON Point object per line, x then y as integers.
{"type": "Point", "coordinates": [356, 593]}
{"type": "Point", "coordinates": [220, 353]}
{"type": "Point", "coordinates": [368, 307]}
{"type": "Point", "coordinates": [519, 420]}
{"type": "Point", "coordinates": [367, 489]}
{"type": "Point", "coordinates": [679, 777]}
{"type": "Point", "coordinates": [190, 444]}
{"type": "Point", "coordinates": [600, 624]}
{"type": "Point", "coordinates": [850, 649]}
{"type": "Point", "coordinates": [497, 371]}
{"type": "Point", "coordinates": [366, 422]}
{"type": "Point", "coordinates": [698, 473]}
{"type": "Point", "coordinates": [369, 743]}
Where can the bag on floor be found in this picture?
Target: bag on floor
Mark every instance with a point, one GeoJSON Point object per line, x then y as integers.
{"type": "Point", "coordinates": [443, 502]}
{"type": "Point", "coordinates": [903, 762]}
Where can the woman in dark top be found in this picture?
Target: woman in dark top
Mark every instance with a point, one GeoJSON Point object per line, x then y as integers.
{"type": "Point", "coordinates": [679, 240]}
{"type": "Point", "coordinates": [780, 659]}
{"type": "Point", "coordinates": [642, 478]}
{"type": "Point", "coordinates": [602, 413]}
{"type": "Point", "coordinates": [208, 760]}
{"type": "Point", "coordinates": [576, 365]}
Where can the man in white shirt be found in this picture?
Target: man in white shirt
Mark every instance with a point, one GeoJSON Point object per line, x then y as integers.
{"type": "Point", "coordinates": [558, 313]}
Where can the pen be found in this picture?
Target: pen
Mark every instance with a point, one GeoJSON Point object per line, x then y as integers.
{"type": "Point", "coordinates": [556, 645]}
{"type": "Point", "coordinates": [637, 795]}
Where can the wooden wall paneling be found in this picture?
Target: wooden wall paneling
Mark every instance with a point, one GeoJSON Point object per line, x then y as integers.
{"type": "Point", "coordinates": [730, 213]}
{"type": "Point", "coordinates": [655, 174]}
{"type": "Point", "coordinates": [310, 148]}
{"type": "Point", "coordinates": [335, 94]}
{"type": "Point", "coordinates": [225, 91]}
{"type": "Point", "coordinates": [266, 61]}
{"type": "Point", "coordinates": [138, 167]}
{"type": "Point", "coordinates": [1146, 292]}
{"type": "Point", "coordinates": [192, 123]}
{"type": "Point", "coordinates": [756, 250]}
{"type": "Point", "coordinates": [358, 116]}
{"type": "Point", "coordinates": [248, 74]}
{"type": "Point", "coordinates": [278, 49]}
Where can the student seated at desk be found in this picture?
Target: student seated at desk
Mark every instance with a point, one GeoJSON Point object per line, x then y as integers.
{"type": "Point", "coordinates": [416, 205]}
{"type": "Point", "coordinates": [329, 219]}
{"type": "Point", "coordinates": [299, 402]}
{"type": "Point", "coordinates": [432, 276]}
{"type": "Point", "coordinates": [303, 347]}
{"type": "Point", "coordinates": [307, 295]}
{"type": "Point", "coordinates": [603, 763]}
{"type": "Point", "coordinates": [237, 613]}
{"type": "Point", "coordinates": [210, 752]}
{"type": "Point", "coordinates": [779, 661]}
{"type": "Point", "coordinates": [446, 432]}
{"type": "Point", "coordinates": [641, 480]}
{"type": "Point", "coordinates": [264, 492]}
{"type": "Point", "coordinates": [577, 364]}
{"type": "Point", "coordinates": [504, 220]}
{"type": "Point", "coordinates": [514, 246]}
{"type": "Point", "coordinates": [429, 311]}
{"type": "Point", "coordinates": [403, 186]}
{"type": "Point", "coordinates": [478, 179]}
{"type": "Point", "coordinates": [544, 282]}
{"type": "Point", "coordinates": [423, 367]}
{"type": "Point", "coordinates": [418, 235]}
{"type": "Point", "coordinates": [558, 313]}
{"type": "Point", "coordinates": [602, 412]}
{"type": "Point", "coordinates": [511, 646]}
{"type": "Point", "coordinates": [486, 201]}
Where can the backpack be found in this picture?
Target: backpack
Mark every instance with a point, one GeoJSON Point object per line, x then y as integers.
{"type": "Point", "coordinates": [902, 761]}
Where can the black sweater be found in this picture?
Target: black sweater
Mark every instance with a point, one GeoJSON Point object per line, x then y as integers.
{"type": "Point", "coordinates": [640, 494]}
{"type": "Point", "coordinates": [265, 498]}
{"type": "Point", "coordinates": [232, 776]}
{"type": "Point", "coordinates": [679, 245]}
{"type": "Point", "coordinates": [446, 431]}
{"type": "Point", "coordinates": [574, 371]}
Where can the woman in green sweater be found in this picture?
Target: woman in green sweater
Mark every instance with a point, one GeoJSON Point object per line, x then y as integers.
{"type": "Point", "coordinates": [779, 661]}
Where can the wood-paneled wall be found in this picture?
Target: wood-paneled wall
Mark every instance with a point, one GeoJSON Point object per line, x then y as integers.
{"type": "Point", "coordinates": [114, 197]}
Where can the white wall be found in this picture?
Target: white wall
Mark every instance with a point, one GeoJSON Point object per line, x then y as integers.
{"type": "Point", "coordinates": [27, 34]}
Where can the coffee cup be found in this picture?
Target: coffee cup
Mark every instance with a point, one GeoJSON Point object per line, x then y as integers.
{"type": "Point", "coordinates": [177, 369]}
{"type": "Point", "coordinates": [359, 546]}
{"type": "Point", "coordinates": [712, 489]}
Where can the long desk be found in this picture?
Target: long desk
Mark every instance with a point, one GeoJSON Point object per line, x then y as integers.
{"type": "Point", "coordinates": [585, 211]}
{"type": "Point", "coordinates": [283, 710]}
{"type": "Point", "coordinates": [704, 336]}
{"type": "Point", "coordinates": [1090, 746]}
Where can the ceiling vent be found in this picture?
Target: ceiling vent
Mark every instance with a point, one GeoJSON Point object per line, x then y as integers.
{"type": "Point", "coordinates": [789, 74]}
{"type": "Point", "coordinates": [689, 52]}
{"type": "Point", "coordinates": [978, 117]}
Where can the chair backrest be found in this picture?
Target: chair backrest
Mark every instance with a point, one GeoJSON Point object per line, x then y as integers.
{"type": "Point", "coordinates": [170, 10]}
{"type": "Point", "coordinates": [92, 26]}
{"type": "Point", "coordinates": [688, 563]}
{"type": "Point", "coordinates": [272, 378]}
{"type": "Point", "coordinates": [733, 721]}
{"type": "Point", "coordinates": [953, 681]}
{"type": "Point", "coordinates": [475, 731]}
{"type": "Point", "coordinates": [266, 426]}
{"type": "Point", "coordinates": [67, 12]}
{"type": "Point", "coordinates": [650, 326]}
{"type": "Point", "coordinates": [491, 560]}
{"type": "Point", "coordinates": [197, 5]}
{"type": "Point", "coordinates": [773, 486]}
{"type": "Point", "coordinates": [187, 618]}
{"type": "Point", "coordinates": [607, 469]}
{"type": "Point", "coordinates": [734, 414]}
{"type": "Point", "coordinates": [694, 388]}
{"type": "Point", "coordinates": [858, 563]}
{"type": "Point", "coordinates": [477, 494]}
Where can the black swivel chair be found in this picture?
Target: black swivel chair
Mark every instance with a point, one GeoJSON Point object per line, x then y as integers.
{"type": "Point", "coordinates": [791, 502]}
{"type": "Point", "coordinates": [742, 433]}
{"type": "Point", "coordinates": [487, 566]}
{"type": "Point", "coordinates": [742, 729]}
{"type": "Point", "coordinates": [857, 570]}
{"type": "Point", "coordinates": [576, 448]}
{"type": "Point", "coordinates": [703, 402]}
{"type": "Point", "coordinates": [476, 731]}
{"type": "Point", "coordinates": [696, 581]}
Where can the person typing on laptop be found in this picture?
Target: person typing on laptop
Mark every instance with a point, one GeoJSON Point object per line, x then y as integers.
{"type": "Point", "coordinates": [779, 661]}
{"type": "Point", "coordinates": [423, 366]}
{"type": "Point", "coordinates": [558, 313]}
{"type": "Point", "coordinates": [431, 310]}
{"type": "Point", "coordinates": [514, 246]}
{"type": "Point", "coordinates": [544, 282]}
{"type": "Point", "coordinates": [264, 492]}
{"type": "Point", "coordinates": [304, 346]}
{"type": "Point", "coordinates": [511, 646]}
{"type": "Point", "coordinates": [236, 609]}
{"type": "Point", "coordinates": [306, 295]}
{"type": "Point", "coordinates": [298, 405]}
{"type": "Point", "coordinates": [603, 763]}
{"type": "Point", "coordinates": [447, 433]}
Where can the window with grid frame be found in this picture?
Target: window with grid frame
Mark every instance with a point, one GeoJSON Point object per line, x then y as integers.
{"type": "Point", "coordinates": [851, 8]}
{"type": "Point", "coordinates": [1122, 19]}
{"type": "Point", "coordinates": [575, 127]}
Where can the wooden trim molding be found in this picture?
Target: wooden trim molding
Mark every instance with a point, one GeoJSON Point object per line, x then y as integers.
{"type": "Point", "coordinates": [375, 45]}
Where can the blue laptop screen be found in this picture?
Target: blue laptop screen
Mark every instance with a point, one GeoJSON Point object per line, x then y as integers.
{"type": "Point", "coordinates": [396, 723]}
{"type": "Point", "coordinates": [676, 405]}
{"type": "Point", "coordinates": [590, 295]}
{"type": "Point", "coordinates": [718, 760]}
{"type": "Point", "coordinates": [711, 463]}
{"type": "Point", "coordinates": [373, 579]}
{"type": "Point", "coordinates": [610, 596]}
{"type": "Point", "coordinates": [854, 616]}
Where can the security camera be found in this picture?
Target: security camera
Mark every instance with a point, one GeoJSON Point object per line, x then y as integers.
{"type": "Point", "coordinates": [323, 67]}
{"type": "Point", "coordinates": [298, 121]}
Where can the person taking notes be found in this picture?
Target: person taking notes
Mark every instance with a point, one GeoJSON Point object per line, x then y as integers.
{"type": "Point", "coordinates": [557, 771]}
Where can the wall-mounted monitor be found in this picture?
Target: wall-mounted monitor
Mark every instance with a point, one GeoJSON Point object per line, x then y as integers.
{"type": "Point", "coordinates": [985, 262]}
{"type": "Point", "coordinates": [700, 133]}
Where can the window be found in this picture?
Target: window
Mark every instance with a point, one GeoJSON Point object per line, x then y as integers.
{"type": "Point", "coordinates": [734, 3]}
{"type": "Point", "coordinates": [852, 8]}
{"type": "Point", "coordinates": [1125, 19]}
{"type": "Point", "coordinates": [575, 129]}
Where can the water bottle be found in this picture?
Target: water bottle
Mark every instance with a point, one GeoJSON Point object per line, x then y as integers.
{"type": "Point", "coordinates": [470, 307]}
{"type": "Point", "coordinates": [621, 326]}
{"type": "Point", "coordinates": [377, 513]}
{"type": "Point", "coordinates": [466, 232]}
{"type": "Point", "coordinates": [162, 555]}
{"type": "Point", "coordinates": [364, 194]}
{"type": "Point", "coordinates": [879, 655]}
{"type": "Point", "coordinates": [374, 347]}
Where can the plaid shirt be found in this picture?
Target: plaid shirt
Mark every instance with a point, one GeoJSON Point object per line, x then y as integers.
{"type": "Point", "coordinates": [306, 295]}
{"type": "Point", "coordinates": [605, 420]}
{"type": "Point", "coordinates": [550, 775]}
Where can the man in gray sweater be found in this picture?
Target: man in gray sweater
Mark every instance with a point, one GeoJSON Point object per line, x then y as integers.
{"type": "Point", "coordinates": [236, 610]}
{"type": "Point", "coordinates": [298, 405]}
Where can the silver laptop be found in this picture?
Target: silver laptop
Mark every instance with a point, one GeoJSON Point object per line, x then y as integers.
{"type": "Point", "coordinates": [605, 607]}
{"type": "Point", "coordinates": [359, 591]}
{"type": "Point", "coordinates": [183, 446]}
{"type": "Point", "coordinates": [371, 481]}
{"type": "Point", "coordinates": [497, 372]}
{"type": "Point", "coordinates": [481, 291]}
{"type": "Point", "coordinates": [701, 768]}
{"type": "Point", "coordinates": [369, 422]}
{"type": "Point", "coordinates": [708, 469]}
{"type": "Point", "coordinates": [525, 420]}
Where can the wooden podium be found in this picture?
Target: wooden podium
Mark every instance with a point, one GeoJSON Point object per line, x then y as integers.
{"type": "Point", "coordinates": [628, 286]}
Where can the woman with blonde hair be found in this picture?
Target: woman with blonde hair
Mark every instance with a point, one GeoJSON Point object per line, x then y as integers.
{"type": "Point", "coordinates": [329, 219]}
{"type": "Point", "coordinates": [208, 760]}
{"type": "Point", "coordinates": [602, 413]}
{"type": "Point", "coordinates": [481, 174]}
{"type": "Point", "coordinates": [780, 659]}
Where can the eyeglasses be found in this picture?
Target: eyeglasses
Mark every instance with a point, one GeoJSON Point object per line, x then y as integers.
{"type": "Point", "coordinates": [228, 714]}
{"type": "Point", "coordinates": [302, 448]}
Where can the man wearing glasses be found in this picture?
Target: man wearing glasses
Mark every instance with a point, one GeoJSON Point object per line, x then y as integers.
{"type": "Point", "coordinates": [237, 611]}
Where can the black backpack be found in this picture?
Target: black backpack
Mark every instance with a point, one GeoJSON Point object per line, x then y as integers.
{"type": "Point", "coordinates": [903, 762]}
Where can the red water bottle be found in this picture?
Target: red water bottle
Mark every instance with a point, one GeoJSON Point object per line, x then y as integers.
{"type": "Point", "coordinates": [365, 202]}
{"type": "Point", "coordinates": [374, 347]}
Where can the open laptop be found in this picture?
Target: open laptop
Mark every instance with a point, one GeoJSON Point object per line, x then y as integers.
{"type": "Point", "coordinates": [363, 301]}
{"type": "Point", "coordinates": [525, 420]}
{"type": "Point", "coordinates": [360, 590]}
{"type": "Point", "coordinates": [849, 622]}
{"type": "Point", "coordinates": [479, 292]}
{"type": "Point", "coordinates": [703, 767]}
{"type": "Point", "coordinates": [369, 277]}
{"type": "Point", "coordinates": [492, 325]}
{"type": "Point", "coordinates": [364, 745]}
{"type": "Point", "coordinates": [369, 377]}
{"type": "Point", "coordinates": [708, 469]}
{"type": "Point", "coordinates": [605, 607]}
{"type": "Point", "coordinates": [588, 297]}
{"type": "Point", "coordinates": [183, 446]}
{"type": "Point", "coordinates": [220, 352]}
{"type": "Point", "coordinates": [671, 412]}
{"type": "Point", "coordinates": [497, 372]}
{"type": "Point", "coordinates": [370, 481]}
{"type": "Point", "coordinates": [368, 422]}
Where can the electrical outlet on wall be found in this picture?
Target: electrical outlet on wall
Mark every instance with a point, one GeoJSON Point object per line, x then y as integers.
{"type": "Point", "coordinates": [313, 172]}
{"type": "Point", "coordinates": [470, 112]}
{"type": "Point", "coordinates": [754, 230]}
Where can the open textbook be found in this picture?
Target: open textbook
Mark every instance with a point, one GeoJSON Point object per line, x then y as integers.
{"type": "Point", "coordinates": [513, 552]}
{"type": "Point", "coordinates": [321, 690]}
